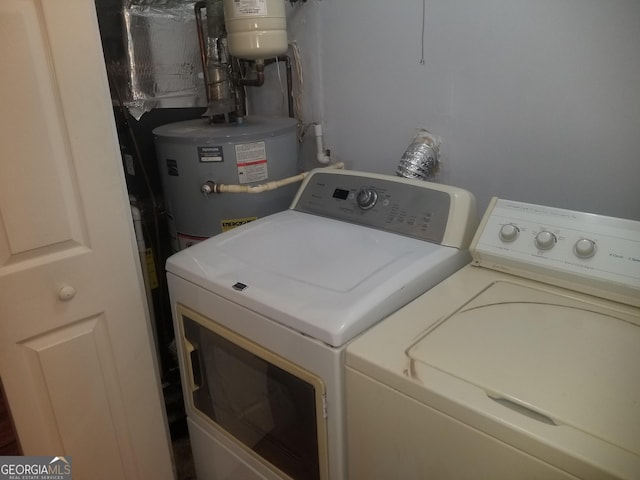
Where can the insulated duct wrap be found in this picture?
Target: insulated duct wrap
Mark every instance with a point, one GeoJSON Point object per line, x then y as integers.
{"type": "Point", "coordinates": [421, 160]}
{"type": "Point", "coordinates": [160, 65]}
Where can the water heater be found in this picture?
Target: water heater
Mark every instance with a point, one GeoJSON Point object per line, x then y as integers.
{"type": "Point", "coordinates": [193, 152]}
{"type": "Point", "coordinates": [256, 29]}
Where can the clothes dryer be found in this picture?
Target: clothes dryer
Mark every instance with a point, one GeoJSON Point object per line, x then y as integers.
{"type": "Point", "coordinates": [263, 314]}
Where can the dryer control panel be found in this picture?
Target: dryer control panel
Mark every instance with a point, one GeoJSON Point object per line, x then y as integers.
{"type": "Point", "coordinates": [428, 211]}
{"type": "Point", "coordinates": [591, 253]}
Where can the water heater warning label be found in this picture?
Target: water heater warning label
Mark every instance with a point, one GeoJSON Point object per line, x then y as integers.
{"type": "Point", "coordinates": [231, 223]}
{"type": "Point", "coordinates": [251, 159]}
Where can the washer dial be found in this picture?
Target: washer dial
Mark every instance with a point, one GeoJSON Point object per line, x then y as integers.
{"type": "Point", "coordinates": [545, 240]}
{"type": "Point", "coordinates": [584, 248]}
{"type": "Point", "coordinates": [509, 232]}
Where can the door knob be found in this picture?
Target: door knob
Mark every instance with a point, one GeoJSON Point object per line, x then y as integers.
{"type": "Point", "coordinates": [66, 293]}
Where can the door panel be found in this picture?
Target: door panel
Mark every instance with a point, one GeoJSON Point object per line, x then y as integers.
{"type": "Point", "coordinates": [34, 175]}
{"type": "Point", "coordinates": [76, 355]}
{"type": "Point", "coordinates": [53, 358]}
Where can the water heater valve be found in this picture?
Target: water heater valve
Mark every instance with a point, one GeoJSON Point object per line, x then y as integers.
{"type": "Point", "coordinates": [208, 188]}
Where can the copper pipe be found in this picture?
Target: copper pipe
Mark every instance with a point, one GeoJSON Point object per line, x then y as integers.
{"type": "Point", "coordinates": [198, 6]}
{"type": "Point", "coordinates": [260, 76]}
{"type": "Point", "coordinates": [241, 97]}
{"type": "Point", "coordinates": [258, 81]}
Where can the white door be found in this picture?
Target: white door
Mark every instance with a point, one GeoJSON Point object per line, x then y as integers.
{"type": "Point", "coordinates": [75, 343]}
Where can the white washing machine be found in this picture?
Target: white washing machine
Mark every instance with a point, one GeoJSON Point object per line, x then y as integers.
{"type": "Point", "coordinates": [523, 365]}
{"type": "Point", "coordinates": [263, 314]}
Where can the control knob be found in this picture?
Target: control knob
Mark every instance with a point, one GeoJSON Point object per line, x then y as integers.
{"type": "Point", "coordinates": [509, 232]}
{"type": "Point", "coordinates": [545, 240]}
{"type": "Point", "coordinates": [367, 198]}
{"type": "Point", "coordinates": [584, 248]}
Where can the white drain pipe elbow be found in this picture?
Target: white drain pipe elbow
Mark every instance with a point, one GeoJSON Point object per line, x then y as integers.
{"type": "Point", "coordinates": [323, 156]}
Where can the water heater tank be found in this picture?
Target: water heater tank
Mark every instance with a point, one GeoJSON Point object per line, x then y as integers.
{"type": "Point", "coordinates": [194, 152]}
{"type": "Point", "coordinates": [256, 29]}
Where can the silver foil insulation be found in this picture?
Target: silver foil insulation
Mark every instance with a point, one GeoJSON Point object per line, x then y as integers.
{"type": "Point", "coordinates": [161, 67]}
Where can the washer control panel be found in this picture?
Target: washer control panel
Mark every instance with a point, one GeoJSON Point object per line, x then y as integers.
{"type": "Point", "coordinates": [574, 247]}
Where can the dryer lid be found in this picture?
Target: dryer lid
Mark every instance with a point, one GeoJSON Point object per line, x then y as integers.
{"type": "Point", "coordinates": [326, 278]}
{"type": "Point", "coordinates": [549, 355]}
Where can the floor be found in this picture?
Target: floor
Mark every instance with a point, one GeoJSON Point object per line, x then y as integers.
{"type": "Point", "coordinates": [8, 439]}
{"type": "Point", "coordinates": [176, 417]}
{"type": "Point", "coordinates": [183, 459]}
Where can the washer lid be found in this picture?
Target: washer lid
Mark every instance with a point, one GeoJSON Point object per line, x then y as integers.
{"type": "Point", "coordinates": [325, 278]}
{"type": "Point", "coordinates": [546, 355]}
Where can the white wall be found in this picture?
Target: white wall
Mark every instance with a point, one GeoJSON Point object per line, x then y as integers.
{"type": "Point", "coordinates": [536, 100]}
